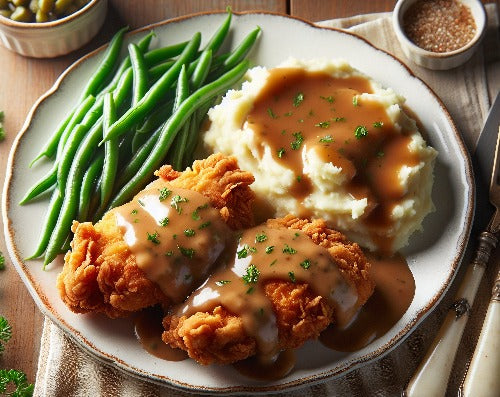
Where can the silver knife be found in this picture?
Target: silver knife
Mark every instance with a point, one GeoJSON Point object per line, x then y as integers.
{"type": "Point", "coordinates": [431, 377]}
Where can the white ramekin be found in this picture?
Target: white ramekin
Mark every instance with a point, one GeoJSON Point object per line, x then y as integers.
{"type": "Point", "coordinates": [52, 39]}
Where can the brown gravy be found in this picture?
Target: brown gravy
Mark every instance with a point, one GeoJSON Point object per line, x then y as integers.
{"type": "Point", "coordinates": [175, 235]}
{"type": "Point", "coordinates": [148, 330]}
{"type": "Point", "coordinates": [298, 109]}
{"type": "Point", "coordinates": [263, 254]}
{"type": "Point", "coordinates": [394, 291]}
{"type": "Point", "coordinates": [254, 368]}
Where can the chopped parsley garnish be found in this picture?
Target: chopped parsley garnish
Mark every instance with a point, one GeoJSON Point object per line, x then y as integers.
{"type": "Point", "coordinates": [296, 235]}
{"type": "Point", "coordinates": [360, 132]}
{"type": "Point", "coordinates": [380, 153]}
{"type": "Point", "coordinates": [134, 212]}
{"type": "Point", "coordinates": [378, 124]}
{"type": "Point", "coordinates": [5, 332]}
{"type": "Point", "coordinates": [281, 152]}
{"type": "Point", "coordinates": [164, 222]}
{"type": "Point", "coordinates": [299, 178]}
{"type": "Point", "coordinates": [288, 114]}
{"type": "Point", "coordinates": [20, 383]}
{"type": "Point", "coordinates": [204, 225]}
{"type": "Point", "coordinates": [271, 113]}
{"type": "Point", "coordinates": [220, 283]}
{"type": "Point", "coordinates": [260, 237]}
{"type": "Point", "coordinates": [141, 203]}
{"type": "Point", "coordinates": [189, 232]}
{"type": "Point", "coordinates": [298, 99]}
{"type": "Point", "coordinates": [289, 250]}
{"type": "Point", "coordinates": [328, 98]}
{"type": "Point", "coordinates": [269, 249]}
{"type": "Point", "coordinates": [252, 275]}
{"type": "Point", "coordinates": [326, 139]}
{"type": "Point", "coordinates": [169, 253]}
{"type": "Point", "coordinates": [164, 193]}
{"type": "Point", "coordinates": [337, 119]}
{"type": "Point", "coordinates": [306, 263]}
{"type": "Point", "coordinates": [153, 237]}
{"type": "Point", "coordinates": [2, 131]}
{"type": "Point", "coordinates": [323, 124]}
{"type": "Point", "coordinates": [2, 261]}
{"type": "Point", "coordinates": [355, 100]}
{"type": "Point", "coordinates": [243, 253]}
{"type": "Point", "coordinates": [291, 275]}
{"type": "Point", "coordinates": [187, 252]}
{"type": "Point", "coordinates": [250, 290]}
{"type": "Point", "coordinates": [273, 262]}
{"type": "Point", "coordinates": [175, 202]}
{"type": "Point", "coordinates": [295, 145]}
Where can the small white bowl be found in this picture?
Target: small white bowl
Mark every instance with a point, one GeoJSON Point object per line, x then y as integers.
{"type": "Point", "coordinates": [52, 39]}
{"type": "Point", "coordinates": [439, 60]}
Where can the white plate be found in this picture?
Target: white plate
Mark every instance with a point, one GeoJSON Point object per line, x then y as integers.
{"type": "Point", "coordinates": [433, 255]}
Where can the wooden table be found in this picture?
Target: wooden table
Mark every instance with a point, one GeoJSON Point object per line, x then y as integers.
{"type": "Point", "coordinates": [23, 80]}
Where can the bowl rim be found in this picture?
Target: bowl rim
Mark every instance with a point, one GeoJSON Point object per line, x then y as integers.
{"type": "Point", "coordinates": [58, 22]}
{"type": "Point", "coordinates": [481, 22]}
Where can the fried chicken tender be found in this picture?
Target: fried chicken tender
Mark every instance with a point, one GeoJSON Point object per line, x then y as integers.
{"type": "Point", "coordinates": [100, 273]}
{"type": "Point", "coordinates": [219, 336]}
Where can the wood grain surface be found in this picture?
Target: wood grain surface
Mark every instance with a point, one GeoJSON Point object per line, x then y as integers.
{"type": "Point", "coordinates": [23, 80]}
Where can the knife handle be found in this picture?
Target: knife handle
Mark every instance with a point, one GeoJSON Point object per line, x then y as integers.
{"type": "Point", "coordinates": [483, 376]}
{"type": "Point", "coordinates": [431, 377]}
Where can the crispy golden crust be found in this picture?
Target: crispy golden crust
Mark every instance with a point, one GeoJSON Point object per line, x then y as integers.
{"type": "Point", "coordinates": [100, 273]}
{"type": "Point", "coordinates": [219, 336]}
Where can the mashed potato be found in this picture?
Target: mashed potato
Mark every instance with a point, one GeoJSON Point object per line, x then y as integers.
{"type": "Point", "coordinates": [325, 141]}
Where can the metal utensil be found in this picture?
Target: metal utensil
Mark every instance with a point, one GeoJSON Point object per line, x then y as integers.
{"type": "Point", "coordinates": [431, 377]}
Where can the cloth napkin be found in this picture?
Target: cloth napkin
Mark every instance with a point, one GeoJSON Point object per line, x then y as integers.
{"type": "Point", "coordinates": [65, 369]}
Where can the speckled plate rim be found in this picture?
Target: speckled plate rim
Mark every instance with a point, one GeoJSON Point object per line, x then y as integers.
{"type": "Point", "coordinates": [43, 302]}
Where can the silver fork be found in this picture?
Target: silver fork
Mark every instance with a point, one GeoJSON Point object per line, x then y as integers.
{"type": "Point", "coordinates": [431, 377]}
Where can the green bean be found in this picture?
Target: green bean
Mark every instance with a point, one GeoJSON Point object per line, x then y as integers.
{"type": "Point", "coordinates": [159, 70]}
{"type": "Point", "coordinates": [200, 73]}
{"type": "Point", "coordinates": [106, 66]}
{"type": "Point", "coordinates": [242, 50]}
{"type": "Point", "coordinates": [182, 93]}
{"type": "Point", "coordinates": [48, 224]}
{"type": "Point", "coordinates": [110, 152]}
{"type": "Point", "coordinates": [158, 55]}
{"type": "Point", "coordinates": [79, 114]}
{"type": "Point", "coordinates": [221, 33]}
{"type": "Point", "coordinates": [138, 159]}
{"type": "Point", "coordinates": [41, 186]}
{"type": "Point", "coordinates": [156, 118]}
{"type": "Point", "coordinates": [88, 184]}
{"type": "Point", "coordinates": [49, 149]}
{"type": "Point", "coordinates": [68, 153]}
{"type": "Point", "coordinates": [172, 126]}
{"type": "Point", "coordinates": [193, 132]}
{"type": "Point", "coordinates": [155, 93]}
{"type": "Point", "coordinates": [139, 73]}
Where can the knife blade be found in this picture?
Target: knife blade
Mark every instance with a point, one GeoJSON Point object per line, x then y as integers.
{"type": "Point", "coordinates": [482, 161]}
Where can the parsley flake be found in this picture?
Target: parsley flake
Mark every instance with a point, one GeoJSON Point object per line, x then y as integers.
{"type": "Point", "coordinates": [243, 252]}
{"type": "Point", "coordinates": [176, 200]}
{"type": "Point", "coordinates": [291, 275]}
{"type": "Point", "coordinates": [360, 132]}
{"type": "Point", "coordinates": [164, 193]}
{"type": "Point", "coordinates": [378, 124]}
{"type": "Point", "coordinates": [204, 225]}
{"type": "Point", "coordinates": [252, 275]}
{"type": "Point", "coordinates": [281, 152]}
{"type": "Point", "coordinates": [260, 237]}
{"type": "Point", "coordinates": [298, 99]}
{"type": "Point", "coordinates": [327, 139]}
{"type": "Point", "coordinates": [337, 119]}
{"type": "Point", "coordinates": [164, 222]}
{"type": "Point", "coordinates": [2, 261]}
{"type": "Point", "coordinates": [289, 250]}
{"type": "Point", "coordinates": [195, 215]}
{"type": "Point", "coordinates": [328, 98]}
{"type": "Point", "coordinates": [295, 145]}
{"type": "Point", "coordinates": [355, 100]}
{"type": "Point", "coordinates": [220, 283]}
{"type": "Point", "coordinates": [306, 263]}
{"type": "Point", "coordinates": [169, 253]}
{"type": "Point", "coordinates": [323, 124]}
{"type": "Point", "coordinates": [187, 252]}
{"type": "Point", "coordinates": [189, 232]}
{"type": "Point", "coordinates": [271, 113]}
{"type": "Point", "coordinates": [153, 237]}
{"type": "Point", "coordinates": [134, 212]}
{"type": "Point", "coordinates": [269, 249]}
